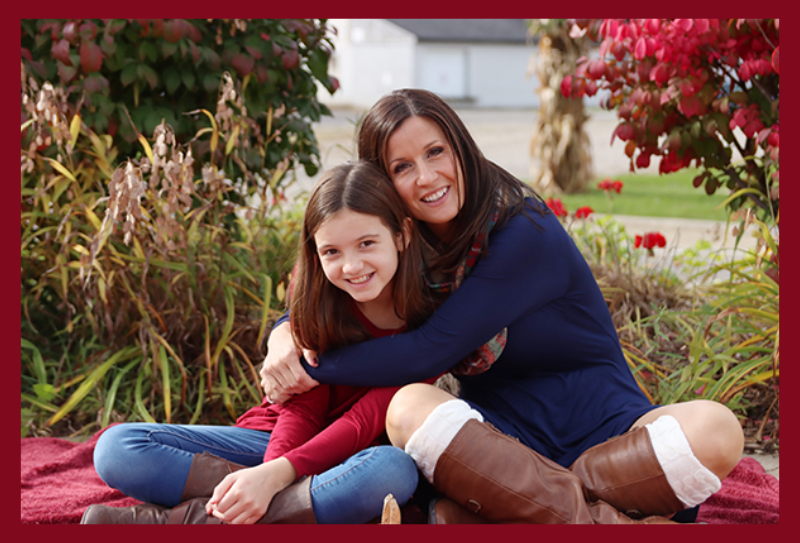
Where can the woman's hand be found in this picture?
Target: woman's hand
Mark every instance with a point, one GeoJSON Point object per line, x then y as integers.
{"type": "Point", "coordinates": [244, 496]}
{"type": "Point", "coordinates": [282, 375]}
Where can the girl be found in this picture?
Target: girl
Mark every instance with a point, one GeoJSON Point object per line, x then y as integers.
{"type": "Point", "coordinates": [357, 277]}
{"type": "Point", "coordinates": [561, 386]}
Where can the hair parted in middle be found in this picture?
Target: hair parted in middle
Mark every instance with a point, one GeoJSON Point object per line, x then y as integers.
{"type": "Point", "coordinates": [321, 313]}
{"type": "Point", "coordinates": [488, 187]}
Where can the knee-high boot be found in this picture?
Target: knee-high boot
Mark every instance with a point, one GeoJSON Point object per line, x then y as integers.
{"type": "Point", "coordinates": [503, 481]}
{"type": "Point", "coordinates": [625, 473]}
{"type": "Point", "coordinates": [206, 472]}
{"type": "Point", "coordinates": [291, 505]}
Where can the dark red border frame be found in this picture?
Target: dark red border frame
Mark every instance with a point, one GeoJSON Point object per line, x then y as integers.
{"type": "Point", "coordinates": [10, 36]}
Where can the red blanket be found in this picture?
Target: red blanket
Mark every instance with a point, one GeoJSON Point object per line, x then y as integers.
{"type": "Point", "coordinates": [59, 482]}
{"type": "Point", "coordinates": [748, 495]}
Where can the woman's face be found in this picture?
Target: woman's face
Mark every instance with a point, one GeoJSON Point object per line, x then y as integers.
{"type": "Point", "coordinates": [426, 173]}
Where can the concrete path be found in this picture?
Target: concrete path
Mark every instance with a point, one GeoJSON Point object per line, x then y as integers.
{"type": "Point", "coordinates": [504, 137]}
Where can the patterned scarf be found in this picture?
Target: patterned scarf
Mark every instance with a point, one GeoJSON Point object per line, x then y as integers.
{"type": "Point", "coordinates": [482, 359]}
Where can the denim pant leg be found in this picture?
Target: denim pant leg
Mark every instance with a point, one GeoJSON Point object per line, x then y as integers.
{"type": "Point", "coordinates": [150, 462]}
{"type": "Point", "coordinates": [353, 492]}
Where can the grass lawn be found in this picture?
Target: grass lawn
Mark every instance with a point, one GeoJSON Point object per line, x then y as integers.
{"type": "Point", "coordinates": [647, 195]}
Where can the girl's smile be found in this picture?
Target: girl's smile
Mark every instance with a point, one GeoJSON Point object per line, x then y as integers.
{"type": "Point", "coordinates": [359, 255]}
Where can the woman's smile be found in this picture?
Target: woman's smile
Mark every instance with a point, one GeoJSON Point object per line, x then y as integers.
{"type": "Point", "coordinates": [426, 173]}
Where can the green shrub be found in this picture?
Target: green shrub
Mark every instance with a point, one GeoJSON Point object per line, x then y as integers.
{"type": "Point", "coordinates": [156, 69]}
{"type": "Point", "coordinates": [694, 325]}
{"type": "Point", "coordinates": [147, 283]}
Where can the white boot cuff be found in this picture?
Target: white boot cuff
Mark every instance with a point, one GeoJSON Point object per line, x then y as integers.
{"type": "Point", "coordinates": [430, 440]}
{"type": "Point", "coordinates": [691, 481]}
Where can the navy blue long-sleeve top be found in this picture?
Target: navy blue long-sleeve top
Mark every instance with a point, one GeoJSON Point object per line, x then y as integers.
{"type": "Point", "coordinates": [562, 383]}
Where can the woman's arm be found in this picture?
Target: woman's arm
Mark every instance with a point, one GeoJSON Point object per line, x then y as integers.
{"type": "Point", "coordinates": [525, 268]}
{"type": "Point", "coordinates": [282, 374]}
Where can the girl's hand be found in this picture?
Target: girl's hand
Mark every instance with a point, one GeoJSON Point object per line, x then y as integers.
{"type": "Point", "coordinates": [282, 375]}
{"type": "Point", "coordinates": [243, 496]}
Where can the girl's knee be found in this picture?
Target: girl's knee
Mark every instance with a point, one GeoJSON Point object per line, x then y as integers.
{"type": "Point", "coordinates": [113, 449]}
{"type": "Point", "coordinates": [401, 473]}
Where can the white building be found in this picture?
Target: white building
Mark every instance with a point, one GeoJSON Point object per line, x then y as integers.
{"type": "Point", "coordinates": [469, 62]}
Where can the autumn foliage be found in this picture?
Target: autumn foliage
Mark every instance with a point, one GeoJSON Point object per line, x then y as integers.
{"type": "Point", "coordinates": [692, 91]}
{"type": "Point", "coordinates": [123, 76]}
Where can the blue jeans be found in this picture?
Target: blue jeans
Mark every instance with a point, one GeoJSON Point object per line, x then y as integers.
{"type": "Point", "coordinates": [150, 462]}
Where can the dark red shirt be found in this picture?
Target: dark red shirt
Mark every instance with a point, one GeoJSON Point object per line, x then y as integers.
{"type": "Point", "coordinates": [323, 427]}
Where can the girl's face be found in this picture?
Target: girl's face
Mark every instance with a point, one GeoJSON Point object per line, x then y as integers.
{"type": "Point", "coordinates": [359, 254]}
{"type": "Point", "coordinates": [425, 171]}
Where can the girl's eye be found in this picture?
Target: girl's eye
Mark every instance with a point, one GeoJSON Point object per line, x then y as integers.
{"type": "Point", "coordinates": [367, 243]}
{"type": "Point", "coordinates": [329, 252]}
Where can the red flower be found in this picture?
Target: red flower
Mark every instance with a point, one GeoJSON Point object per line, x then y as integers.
{"type": "Point", "coordinates": [650, 240]}
{"type": "Point", "coordinates": [583, 212]}
{"type": "Point", "coordinates": [608, 185]}
{"type": "Point", "coordinates": [556, 207]}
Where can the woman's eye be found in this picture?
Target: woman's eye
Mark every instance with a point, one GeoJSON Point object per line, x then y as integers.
{"type": "Point", "coordinates": [436, 151]}
{"type": "Point", "coordinates": [400, 168]}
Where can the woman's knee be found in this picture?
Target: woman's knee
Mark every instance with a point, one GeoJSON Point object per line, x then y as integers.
{"type": "Point", "coordinates": [713, 431]}
{"type": "Point", "coordinates": [409, 408]}
{"type": "Point", "coordinates": [720, 439]}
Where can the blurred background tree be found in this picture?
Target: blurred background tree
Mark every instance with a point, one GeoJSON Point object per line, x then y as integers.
{"type": "Point", "coordinates": [560, 148]}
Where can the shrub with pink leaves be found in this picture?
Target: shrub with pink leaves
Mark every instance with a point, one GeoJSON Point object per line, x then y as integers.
{"type": "Point", "coordinates": [690, 92]}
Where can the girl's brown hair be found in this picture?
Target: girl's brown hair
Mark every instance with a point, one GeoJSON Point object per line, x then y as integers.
{"type": "Point", "coordinates": [321, 313]}
{"type": "Point", "coordinates": [487, 186]}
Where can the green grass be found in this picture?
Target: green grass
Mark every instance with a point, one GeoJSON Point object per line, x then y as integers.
{"type": "Point", "coordinates": [645, 195]}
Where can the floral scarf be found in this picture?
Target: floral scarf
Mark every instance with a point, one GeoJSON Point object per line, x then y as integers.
{"type": "Point", "coordinates": [485, 355]}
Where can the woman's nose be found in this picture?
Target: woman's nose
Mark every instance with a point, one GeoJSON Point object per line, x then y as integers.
{"type": "Point", "coordinates": [426, 174]}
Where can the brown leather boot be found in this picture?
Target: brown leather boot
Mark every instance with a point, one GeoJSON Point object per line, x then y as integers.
{"type": "Point", "coordinates": [206, 472]}
{"type": "Point", "coordinates": [625, 473]}
{"type": "Point", "coordinates": [503, 481]}
{"type": "Point", "coordinates": [291, 505]}
{"type": "Point", "coordinates": [443, 510]}
{"type": "Point", "coordinates": [189, 512]}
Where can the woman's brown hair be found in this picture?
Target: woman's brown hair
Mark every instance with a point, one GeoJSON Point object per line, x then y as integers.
{"type": "Point", "coordinates": [321, 313]}
{"type": "Point", "coordinates": [487, 186]}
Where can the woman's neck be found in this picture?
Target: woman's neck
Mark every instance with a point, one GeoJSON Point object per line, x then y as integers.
{"type": "Point", "coordinates": [381, 311]}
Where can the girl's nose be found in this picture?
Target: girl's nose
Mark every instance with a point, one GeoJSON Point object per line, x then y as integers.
{"type": "Point", "coordinates": [352, 265]}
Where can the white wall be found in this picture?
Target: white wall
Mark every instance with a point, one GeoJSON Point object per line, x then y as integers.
{"type": "Point", "coordinates": [497, 76]}
{"type": "Point", "coordinates": [372, 57]}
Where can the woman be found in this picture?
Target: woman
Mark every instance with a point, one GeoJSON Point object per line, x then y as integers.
{"type": "Point", "coordinates": [561, 386]}
{"type": "Point", "coordinates": [357, 277]}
